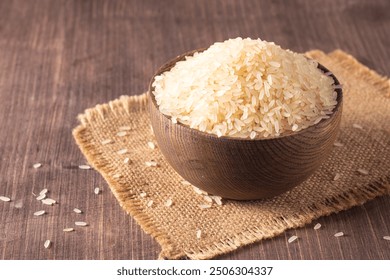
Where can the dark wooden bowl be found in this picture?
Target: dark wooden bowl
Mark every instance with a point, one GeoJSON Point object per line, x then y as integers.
{"type": "Point", "coordinates": [243, 169]}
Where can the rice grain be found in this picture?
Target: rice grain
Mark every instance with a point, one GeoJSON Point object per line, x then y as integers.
{"type": "Point", "coordinates": [317, 226]}
{"type": "Point", "coordinates": [386, 238]}
{"type": "Point", "coordinates": [363, 171]}
{"type": "Point", "coordinates": [150, 203]}
{"type": "Point", "coordinates": [339, 234]}
{"type": "Point", "coordinates": [37, 165]}
{"type": "Point", "coordinates": [81, 224]}
{"type": "Point", "coordinates": [126, 160]}
{"type": "Point", "coordinates": [44, 191]}
{"type": "Point", "coordinates": [338, 144]}
{"type": "Point", "coordinates": [292, 239]}
{"type": "Point", "coordinates": [85, 166]}
{"type": "Point", "coordinates": [122, 152]}
{"type": "Point", "coordinates": [5, 199]}
{"type": "Point", "coordinates": [39, 213]}
{"type": "Point", "coordinates": [107, 141]}
{"type": "Point", "coordinates": [198, 234]}
{"type": "Point", "coordinates": [68, 229]}
{"type": "Point", "coordinates": [121, 133]}
{"type": "Point", "coordinates": [124, 128]}
{"type": "Point", "coordinates": [358, 126]}
{"type": "Point", "coordinates": [168, 203]}
{"type": "Point", "coordinates": [48, 201]}
{"type": "Point", "coordinates": [336, 177]}
{"type": "Point", "coordinates": [41, 196]}
{"type": "Point", "coordinates": [78, 211]}
{"type": "Point", "coordinates": [151, 145]}
{"type": "Point", "coordinates": [47, 244]}
{"type": "Point", "coordinates": [96, 190]}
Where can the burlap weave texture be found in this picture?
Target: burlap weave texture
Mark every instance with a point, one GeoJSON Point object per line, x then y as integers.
{"type": "Point", "coordinates": [235, 224]}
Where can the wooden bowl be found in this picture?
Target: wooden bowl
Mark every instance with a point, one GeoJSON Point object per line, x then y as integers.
{"type": "Point", "coordinates": [243, 169]}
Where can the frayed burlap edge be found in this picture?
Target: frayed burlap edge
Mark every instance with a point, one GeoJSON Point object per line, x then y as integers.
{"type": "Point", "coordinates": [335, 204]}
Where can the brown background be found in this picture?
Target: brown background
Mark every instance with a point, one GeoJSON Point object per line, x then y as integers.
{"type": "Point", "coordinates": [58, 58]}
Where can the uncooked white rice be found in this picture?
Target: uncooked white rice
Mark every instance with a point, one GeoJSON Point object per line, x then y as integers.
{"type": "Point", "coordinates": [121, 133]}
{"type": "Point", "coordinates": [41, 196]}
{"type": "Point", "coordinates": [44, 191]}
{"type": "Point", "coordinates": [338, 144]}
{"type": "Point", "coordinates": [123, 128]}
{"type": "Point", "coordinates": [204, 206]}
{"type": "Point", "coordinates": [336, 177]}
{"type": "Point", "coordinates": [197, 190]}
{"type": "Point", "coordinates": [96, 190]}
{"type": "Point", "coordinates": [48, 201]}
{"type": "Point", "coordinates": [186, 183]}
{"type": "Point", "coordinates": [358, 126]}
{"type": "Point", "coordinates": [81, 224]}
{"type": "Point", "coordinates": [107, 141]}
{"type": "Point", "coordinates": [5, 199]}
{"type": "Point", "coordinates": [126, 160]}
{"type": "Point", "coordinates": [151, 163]}
{"type": "Point", "coordinates": [78, 211]}
{"type": "Point", "coordinates": [116, 176]}
{"type": "Point", "coordinates": [362, 171]}
{"type": "Point", "coordinates": [339, 234]}
{"type": "Point", "coordinates": [245, 88]}
{"type": "Point", "coordinates": [37, 165]}
{"type": "Point", "coordinates": [143, 194]}
{"type": "Point", "coordinates": [68, 229]}
{"type": "Point", "coordinates": [217, 199]}
{"type": "Point", "coordinates": [122, 151]}
{"type": "Point", "coordinates": [151, 145]}
{"type": "Point", "coordinates": [317, 226]}
{"type": "Point", "coordinates": [39, 213]}
{"type": "Point", "coordinates": [150, 203]}
{"type": "Point", "coordinates": [292, 239]}
{"type": "Point", "coordinates": [208, 199]}
{"type": "Point", "coordinates": [198, 234]}
{"type": "Point", "coordinates": [47, 244]}
{"type": "Point", "coordinates": [386, 238]}
{"type": "Point", "coordinates": [84, 166]}
{"type": "Point", "coordinates": [168, 203]}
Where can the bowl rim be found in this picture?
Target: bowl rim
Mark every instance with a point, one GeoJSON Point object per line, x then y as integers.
{"type": "Point", "coordinates": [171, 63]}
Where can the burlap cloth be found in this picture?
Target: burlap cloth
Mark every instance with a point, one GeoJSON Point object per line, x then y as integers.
{"type": "Point", "coordinates": [234, 224]}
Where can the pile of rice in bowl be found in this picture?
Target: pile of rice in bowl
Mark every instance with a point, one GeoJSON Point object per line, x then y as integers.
{"type": "Point", "coordinates": [245, 88]}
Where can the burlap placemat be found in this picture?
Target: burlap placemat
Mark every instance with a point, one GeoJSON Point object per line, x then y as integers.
{"type": "Point", "coordinates": [145, 192]}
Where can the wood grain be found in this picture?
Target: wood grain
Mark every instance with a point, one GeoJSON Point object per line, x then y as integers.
{"type": "Point", "coordinates": [243, 169]}
{"type": "Point", "coordinates": [58, 58]}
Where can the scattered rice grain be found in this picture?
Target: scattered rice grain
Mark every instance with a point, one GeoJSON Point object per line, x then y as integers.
{"type": "Point", "coordinates": [47, 244]}
{"type": "Point", "coordinates": [292, 239]}
{"type": "Point", "coordinates": [208, 199]}
{"type": "Point", "coordinates": [96, 190]}
{"type": "Point", "coordinates": [204, 206]}
{"type": "Point", "coordinates": [317, 226]}
{"type": "Point", "coordinates": [151, 145]}
{"type": "Point", "coordinates": [78, 211]}
{"type": "Point", "coordinates": [126, 160]}
{"type": "Point", "coordinates": [151, 163]}
{"type": "Point", "coordinates": [124, 128]}
{"type": "Point", "coordinates": [84, 166]}
{"type": "Point", "coordinates": [81, 224]}
{"type": "Point", "coordinates": [107, 141]}
{"type": "Point", "coordinates": [339, 234]}
{"type": "Point", "coordinates": [41, 196]}
{"type": "Point", "coordinates": [186, 183]}
{"type": "Point", "coordinates": [121, 133]}
{"type": "Point", "coordinates": [68, 229]}
{"type": "Point", "coordinates": [5, 199]}
{"type": "Point", "coordinates": [116, 176]}
{"type": "Point", "coordinates": [122, 152]}
{"type": "Point", "coordinates": [198, 234]}
{"type": "Point", "coordinates": [37, 165]}
{"type": "Point", "coordinates": [150, 203]}
{"type": "Point", "coordinates": [358, 126]}
{"type": "Point", "coordinates": [197, 190]}
{"type": "Point", "coordinates": [39, 213]}
{"type": "Point", "coordinates": [217, 199]}
{"type": "Point", "coordinates": [338, 144]}
{"type": "Point", "coordinates": [386, 238]}
{"type": "Point", "coordinates": [168, 203]}
{"type": "Point", "coordinates": [44, 191]}
{"type": "Point", "coordinates": [336, 177]}
{"type": "Point", "coordinates": [143, 194]}
{"type": "Point", "coordinates": [363, 171]}
{"type": "Point", "coordinates": [48, 201]}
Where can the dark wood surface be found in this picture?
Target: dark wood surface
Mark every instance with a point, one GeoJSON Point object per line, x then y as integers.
{"type": "Point", "coordinates": [58, 58]}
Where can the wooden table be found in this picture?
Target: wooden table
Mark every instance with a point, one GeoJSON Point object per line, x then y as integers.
{"type": "Point", "coordinates": [58, 58]}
